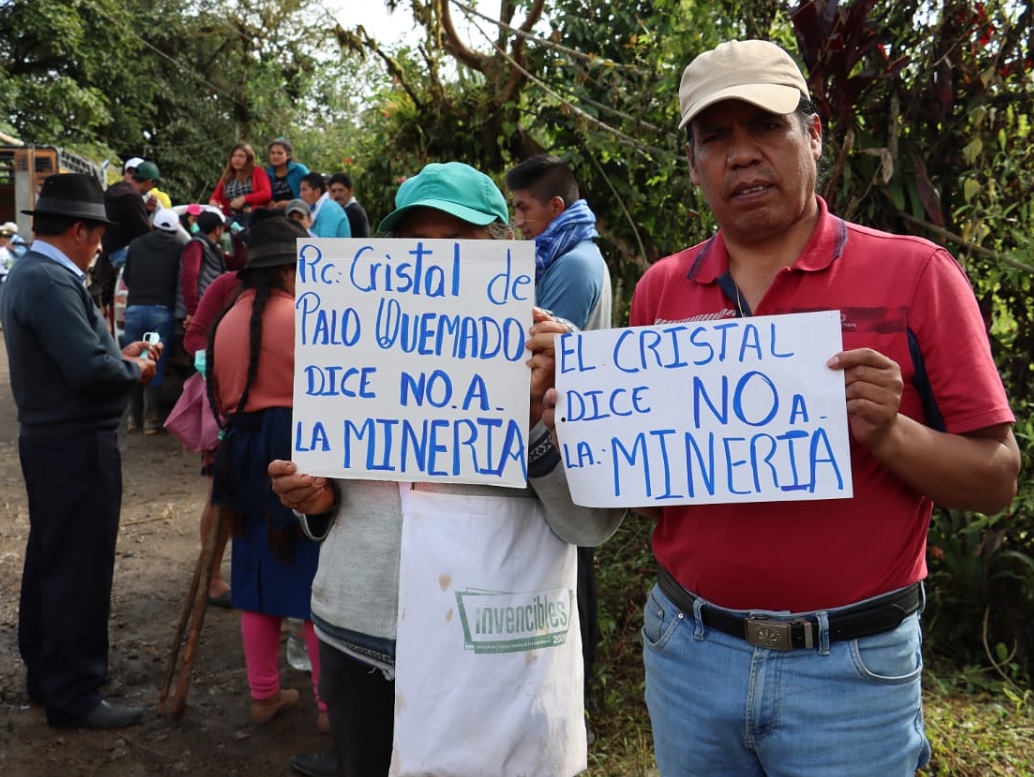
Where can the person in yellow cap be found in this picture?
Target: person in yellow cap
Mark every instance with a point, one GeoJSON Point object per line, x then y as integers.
{"type": "Point", "coordinates": [783, 638]}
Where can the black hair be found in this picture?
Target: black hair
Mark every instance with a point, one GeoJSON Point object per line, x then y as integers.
{"type": "Point", "coordinates": [315, 181]}
{"type": "Point", "coordinates": [281, 142]}
{"type": "Point", "coordinates": [261, 214]}
{"type": "Point", "coordinates": [342, 178]}
{"type": "Point", "coordinates": [207, 222]}
{"type": "Point", "coordinates": [263, 280]}
{"type": "Point", "coordinates": [805, 110]}
{"type": "Point", "coordinates": [545, 176]}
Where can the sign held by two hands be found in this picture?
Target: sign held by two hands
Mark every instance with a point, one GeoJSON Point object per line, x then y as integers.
{"type": "Point", "coordinates": [410, 359]}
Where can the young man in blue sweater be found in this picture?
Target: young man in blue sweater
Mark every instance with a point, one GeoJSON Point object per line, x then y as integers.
{"type": "Point", "coordinates": [328, 218]}
{"type": "Point", "coordinates": [572, 282]}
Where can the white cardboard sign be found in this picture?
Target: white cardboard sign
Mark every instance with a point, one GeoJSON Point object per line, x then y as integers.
{"type": "Point", "coordinates": [699, 412]}
{"type": "Point", "coordinates": [410, 359]}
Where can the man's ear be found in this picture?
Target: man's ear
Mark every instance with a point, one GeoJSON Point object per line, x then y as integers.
{"type": "Point", "coordinates": [815, 137]}
{"type": "Point", "coordinates": [557, 205]}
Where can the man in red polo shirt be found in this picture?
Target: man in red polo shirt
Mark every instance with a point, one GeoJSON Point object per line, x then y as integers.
{"type": "Point", "coordinates": [783, 638]}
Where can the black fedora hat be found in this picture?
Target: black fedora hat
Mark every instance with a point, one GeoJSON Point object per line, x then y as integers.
{"type": "Point", "coordinates": [74, 195]}
{"type": "Point", "coordinates": [271, 242]}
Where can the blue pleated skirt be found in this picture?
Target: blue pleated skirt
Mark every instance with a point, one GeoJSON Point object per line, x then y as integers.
{"type": "Point", "coordinates": [272, 563]}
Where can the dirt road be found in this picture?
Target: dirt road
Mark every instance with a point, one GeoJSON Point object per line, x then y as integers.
{"type": "Point", "coordinates": [157, 549]}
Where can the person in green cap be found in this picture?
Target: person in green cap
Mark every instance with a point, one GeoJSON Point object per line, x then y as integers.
{"type": "Point", "coordinates": [146, 178]}
{"type": "Point", "coordinates": [355, 598]}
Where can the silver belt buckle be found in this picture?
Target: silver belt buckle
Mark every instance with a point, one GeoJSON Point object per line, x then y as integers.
{"type": "Point", "coordinates": [774, 635]}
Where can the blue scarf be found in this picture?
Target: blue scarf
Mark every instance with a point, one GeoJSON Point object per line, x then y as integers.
{"type": "Point", "coordinates": [575, 224]}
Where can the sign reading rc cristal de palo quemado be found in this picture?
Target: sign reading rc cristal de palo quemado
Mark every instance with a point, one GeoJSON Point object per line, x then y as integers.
{"type": "Point", "coordinates": [410, 359]}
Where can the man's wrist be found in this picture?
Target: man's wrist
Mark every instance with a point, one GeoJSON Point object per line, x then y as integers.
{"type": "Point", "coordinates": [543, 458]}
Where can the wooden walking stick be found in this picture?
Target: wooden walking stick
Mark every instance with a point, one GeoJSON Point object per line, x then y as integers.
{"type": "Point", "coordinates": [177, 640]}
{"type": "Point", "coordinates": [193, 613]}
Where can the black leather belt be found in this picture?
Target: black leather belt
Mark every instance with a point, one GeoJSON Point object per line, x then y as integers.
{"type": "Point", "coordinates": [873, 617]}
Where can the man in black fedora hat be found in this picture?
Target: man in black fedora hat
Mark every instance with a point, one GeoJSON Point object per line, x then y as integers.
{"type": "Point", "coordinates": [70, 385]}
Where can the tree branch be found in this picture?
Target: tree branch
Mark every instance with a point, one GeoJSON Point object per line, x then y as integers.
{"type": "Point", "coordinates": [507, 8]}
{"type": "Point", "coordinates": [349, 39]}
{"type": "Point", "coordinates": [549, 44]}
{"type": "Point", "coordinates": [986, 253]}
{"type": "Point", "coordinates": [621, 136]}
{"type": "Point", "coordinates": [619, 200]}
{"type": "Point", "coordinates": [454, 45]}
{"type": "Point", "coordinates": [514, 81]}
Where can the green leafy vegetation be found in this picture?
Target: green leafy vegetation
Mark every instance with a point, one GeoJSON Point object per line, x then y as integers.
{"type": "Point", "coordinates": [973, 732]}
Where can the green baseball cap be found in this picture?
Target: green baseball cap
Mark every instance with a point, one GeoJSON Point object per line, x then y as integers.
{"type": "Point", "coordinates": [453, 188]}
{"type": "Point", "coordinates": [147, 171]}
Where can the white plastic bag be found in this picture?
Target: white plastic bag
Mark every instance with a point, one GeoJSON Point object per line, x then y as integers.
{"type": "Point", "coordinates": [488, 670]}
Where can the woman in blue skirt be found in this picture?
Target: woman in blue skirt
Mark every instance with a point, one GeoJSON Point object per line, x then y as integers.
{"type": "Point", "coordinates": [251, 381]}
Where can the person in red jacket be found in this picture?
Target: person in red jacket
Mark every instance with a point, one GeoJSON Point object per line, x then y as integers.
{"type": "Point", "coordinates": [243, 185]}
{"type": "Point", "coordinates": [204, 260]}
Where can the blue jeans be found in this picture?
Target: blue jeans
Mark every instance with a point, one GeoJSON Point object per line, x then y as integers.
{"type": "Point", "coordinates": [151, 318]}
{"type": "Point", "coordinates": [118, 257]}
{"type": "Point", "coordinates": [721, 707]}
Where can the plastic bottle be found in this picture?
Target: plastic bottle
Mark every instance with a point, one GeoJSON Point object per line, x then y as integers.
{"type": "Point", "coordinates": [297, 655]}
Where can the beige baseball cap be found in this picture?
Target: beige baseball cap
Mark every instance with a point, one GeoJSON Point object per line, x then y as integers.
{"type": "Point", "coordinates": [756, 71]}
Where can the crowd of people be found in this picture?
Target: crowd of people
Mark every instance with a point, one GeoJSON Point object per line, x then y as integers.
{"type": "Point", "coordinates": [168, 260]}
{"type": "Point", "coordinates": [204, 274]}
{"type": "Point", "coordinates": [780, 638]}
{"type": "Point", "coordinates": [12, 247]}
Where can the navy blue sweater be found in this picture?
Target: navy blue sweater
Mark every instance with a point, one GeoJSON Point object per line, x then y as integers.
{"type": "Point", "coordinates": [67, 373]}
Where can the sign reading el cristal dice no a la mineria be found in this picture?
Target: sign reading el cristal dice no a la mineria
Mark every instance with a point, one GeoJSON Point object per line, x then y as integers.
{"type": "Point", "coordinates": [695, 412]}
